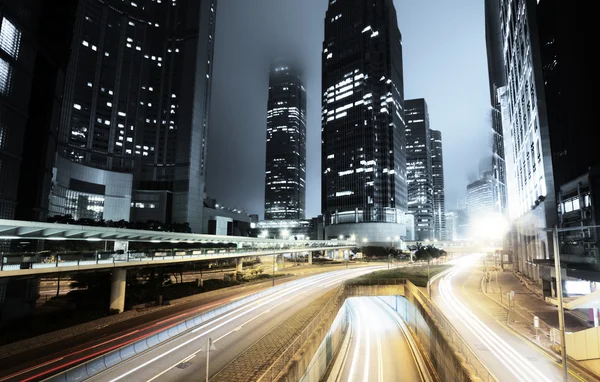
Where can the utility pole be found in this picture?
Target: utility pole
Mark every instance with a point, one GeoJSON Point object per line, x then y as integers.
{"type": "Point", "coordinates": [209, 347]}
{"type": "Point", "coordinates": [561, 312]}
{"type": "Point", "coordinates": [274, 261]}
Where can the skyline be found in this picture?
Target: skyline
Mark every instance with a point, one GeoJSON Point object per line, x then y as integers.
{"type": "Point", "coordinates": [244, 56]}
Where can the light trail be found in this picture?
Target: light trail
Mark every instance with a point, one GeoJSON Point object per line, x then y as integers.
{"type": "Point", "coordinates": [312, 282]}
{"type": "Point", "coordinates": [518, 365]}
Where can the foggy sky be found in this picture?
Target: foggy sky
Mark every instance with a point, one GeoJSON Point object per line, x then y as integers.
{"type": "Point", "coordinates": [444, 62]}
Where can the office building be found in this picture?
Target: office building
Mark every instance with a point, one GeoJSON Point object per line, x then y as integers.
{"type": "Point", "coordinates": [480, 197]}
{"type": "Point", "coordinates": [497, 86]}
{"type": "Point", "coordinates": [285, 175]}
{"type": "Point", "coordinates": [546, 115]}
{"type": "Point", "coordinates": [34, 49]}
{"type": "Point", "coordinates": [437, 174]}
{"type": "Point", "coordinates": [132, 138]}
{"type": "Point", "coordinates": [419, 168]}
{"type": "Point", "coordinates": [363, 143]}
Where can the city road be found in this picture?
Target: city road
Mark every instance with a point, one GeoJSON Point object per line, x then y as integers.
{"type": "Point", "coordinates": [378, 349]}
{"type": "Point", "coordinates": [183, 358]}
{"type": "Point", "coordinates": [508, 356]}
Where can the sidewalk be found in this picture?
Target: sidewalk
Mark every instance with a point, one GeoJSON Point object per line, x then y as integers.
{"type": "Point", "coordinates": [518, 316]}
{"type": "Point", "coordinates": [529, 303]}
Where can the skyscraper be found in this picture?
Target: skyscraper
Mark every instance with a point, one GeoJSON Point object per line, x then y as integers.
{"type": "Point", "coordinates": [419, 170]}
{"type": "Point", "coordinates": [497, 86]}
{"type": "Point", "coordinates": [132, 139]}
{"type": "Point", "coordinates": [439, 198]}
{"type": "Point", "coordinates": [546, 113]}
{"type": "Point", "coordinates": [285, 174]}
{"type": "Point", "coordinates": [363, 143]}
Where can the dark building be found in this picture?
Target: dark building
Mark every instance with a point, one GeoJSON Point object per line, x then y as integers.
{"type": "Point", "coordinates": [363, 143]}
{"type": "Point", "coordinates": [439, 198]}
{"type": "Point", "coordinates": [419, 169]}
{"type": "Point", "coordinates": [285, 175]}
{"type": "Point", "coordinates": [132, 138]}
{"type": "Point", "coordinates": [497, 85]}
{"type": "Point", "coordinates": [34, 49]}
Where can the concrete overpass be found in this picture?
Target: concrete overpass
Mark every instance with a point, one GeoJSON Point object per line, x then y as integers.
{"type": "Point", "coordinates": [122, 259]}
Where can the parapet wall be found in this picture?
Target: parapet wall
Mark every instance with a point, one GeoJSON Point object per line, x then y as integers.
{"type": "Point", "coordinates": [448, 355]}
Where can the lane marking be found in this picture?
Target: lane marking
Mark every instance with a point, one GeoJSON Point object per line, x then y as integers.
{"type": "Point", "coordinates": [277, 295]}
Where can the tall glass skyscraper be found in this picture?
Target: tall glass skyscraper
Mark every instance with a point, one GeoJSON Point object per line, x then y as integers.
{"type": "Point", "coordinates": [363, 143]}
{"type": "Point", "coordinates": [132, 140]}
{"type": "Point", "coordinates": [439, 198]}
{"type": "Point", "coordinates": [285, 175]}
{"type": "Point", "coordinates": [419, 170]}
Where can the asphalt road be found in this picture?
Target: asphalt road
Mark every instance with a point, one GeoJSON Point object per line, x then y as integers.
{"type": "Point", "coordinates": [507, 355]}
{"type": "Point", "coordinates": [182, 358]}
{"type": "Point", "coordinates": [378, 350]}
{"type": "Point", "coordinates": [44, 361]}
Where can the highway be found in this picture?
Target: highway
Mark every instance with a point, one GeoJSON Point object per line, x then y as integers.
{"type": "Point", "coordinates": [507, 355]}
{"type": "Point", "coordinates": [182, 358]}
{"type": "Point", "coordinates": [377, 347]}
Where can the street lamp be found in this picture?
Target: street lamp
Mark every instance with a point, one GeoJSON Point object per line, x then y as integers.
{"type": "Point", "coordinates": [353, 237]}
{"type": "Point", "coordinates": [365, 239]}
{"type": "Point", "coordinates": [265, 234]}
{"type": "Point", "coordinates": [285, 233]}
{"type": "Point", "coordinates": [341, 237]}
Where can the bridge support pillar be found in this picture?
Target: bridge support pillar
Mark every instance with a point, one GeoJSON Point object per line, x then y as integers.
{"type": "Point", "coordinates": [117, 289]}
{"type": "Point", "coordinates": [239, 264]}
{"type": "Point", "coordinates": [309, 258]}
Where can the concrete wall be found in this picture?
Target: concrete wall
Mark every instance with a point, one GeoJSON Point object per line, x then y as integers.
{"type": "Point", "coordinates": [447, 353]}
{"type": "Point", "coordinates": [584, 347]}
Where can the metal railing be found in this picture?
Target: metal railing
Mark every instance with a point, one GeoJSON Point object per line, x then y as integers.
{"type": "Point", "coordinates": [281, 363]}
{"type": "Point", "coordinates": [10, 262]}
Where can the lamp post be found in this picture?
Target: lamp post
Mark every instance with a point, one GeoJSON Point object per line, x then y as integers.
{"type": "Point", "coordinates": [561, 312]}
{"type": "Point", "coordinates": [274, 261]}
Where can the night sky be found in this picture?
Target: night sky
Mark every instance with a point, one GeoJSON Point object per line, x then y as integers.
{"type": "Point", "coordinates": [444, 62]}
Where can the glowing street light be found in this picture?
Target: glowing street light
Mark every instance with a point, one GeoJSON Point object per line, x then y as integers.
{"type": "Point", "coordinates": [365, 240]}
{"type": "Point", "coordinates": [285, 233]}
{"type": "Point", "coordinates": [341, 237]}
{"type": "Point", "coordinates": [265, 234]}
{"type": "Point", "coordinates": [353, 237]}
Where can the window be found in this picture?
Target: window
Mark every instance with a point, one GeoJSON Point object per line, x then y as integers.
{"type": "Point", "coordinates": [5, 76]}
{"type": "Point", "coordinates": [10, 38]}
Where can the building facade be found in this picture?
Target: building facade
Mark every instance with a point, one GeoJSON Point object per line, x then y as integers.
{"type": "Point", "coordinates": [480, 197]}
{"type": "Point", "coordinates": [419, 168]}
{"type": "Point", "coordinates": [496, 163]}
{"type": "Point", "coordinates": [439, 198]}
{"type": "Point", "coordinates": [546, 116]}
{"type": "Point", "coordinates": [132, 137]}
{"type": "Point", "coordinates": [363, 143]}
{"type": "Point", "coordinates": [285, 175]}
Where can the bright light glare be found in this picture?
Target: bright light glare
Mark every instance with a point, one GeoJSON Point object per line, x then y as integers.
{"type": "Point", "coordinates": [285, 233]}
{"type": "Point", "coordinates": [489, 226]}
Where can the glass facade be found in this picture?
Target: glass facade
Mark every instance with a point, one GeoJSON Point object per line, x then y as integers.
{"type": "Point", "coordinates": [285, 175]}
{"type": "Point", "coordinates": [419, 168]}
{"type": "Point", "coordinates": [439, 198]}
{"type": "Point", "coordinates": [137, 96]}
{"type": "Point", "coordinates": [363, 141]}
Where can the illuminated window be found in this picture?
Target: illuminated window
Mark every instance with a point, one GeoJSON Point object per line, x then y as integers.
{"type": "Point", "coordinates": [10, 38]}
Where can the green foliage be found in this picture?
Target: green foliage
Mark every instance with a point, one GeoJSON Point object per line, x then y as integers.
{"type": "Point", "coordinates": [427, 253]}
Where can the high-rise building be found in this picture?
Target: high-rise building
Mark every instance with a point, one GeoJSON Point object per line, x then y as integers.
{"type": "Point", "coordinates": [132, 137]}
{"type": "Point", "coordinates": [546, 114]}
{"type": "Point", "coordinates": [480, 197]}
{"type": "Point", "coordinates": [285, 175]}
{"type": "Point", "coordinates": [34, 49]}
{"type": "Point", "coordinates": [363, 143]}
{"type": "Point", "coordinates": [497, 86]}
{"type": "Point", "coordinates": [439, 198]}
{"type": "Point", "coordinates": [419, 170]}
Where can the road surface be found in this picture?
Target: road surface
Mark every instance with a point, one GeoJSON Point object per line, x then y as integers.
{"type": "Point", "coordinates": [483, 326]}
{"type": "Point", "coordinates": [378, 350]}
{"type": "Point", "coordinates": [183, 358]}
{"type": "Point", "coordinates": [46, 360]}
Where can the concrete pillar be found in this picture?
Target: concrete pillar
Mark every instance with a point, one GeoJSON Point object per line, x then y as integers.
{"type": "Point", "coordinates": [117, 289]}
{"type": "Point", "coordinates": [309, 258]}
{"type": "Point", "coordinates": [239, 264]}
